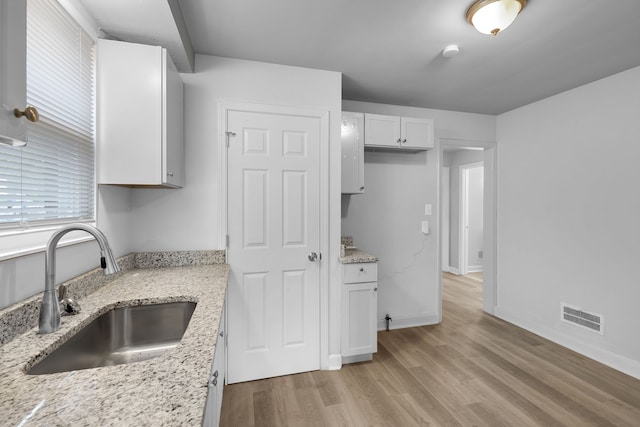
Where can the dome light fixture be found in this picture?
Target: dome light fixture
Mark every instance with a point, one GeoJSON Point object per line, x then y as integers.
{"type": "Point", "coordinates": [493, 16]}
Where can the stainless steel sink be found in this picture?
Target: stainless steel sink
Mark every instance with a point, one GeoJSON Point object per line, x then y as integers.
{"type": "Point", "coordinates": [121, 335]}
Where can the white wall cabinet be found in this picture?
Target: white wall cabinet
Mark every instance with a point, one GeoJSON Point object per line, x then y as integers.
{"type": "Point", "coordinates": [13, 68]}
{"type": "Point", "coordinates": [217, 378]}
{"type": "Point", "coordinates": [352, 137]}
{"type": "Point", "coordinates": [140, 116]}
{"type": "Point", "coordinates": [398, 133]}
{"type": "Point", "coordinates": [359, 311]}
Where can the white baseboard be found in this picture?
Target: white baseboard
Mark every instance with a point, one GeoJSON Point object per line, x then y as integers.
{"type": "Point", "coordinates": [475, 269]}
{"type": "Point", "coordinates": [454, 270]}
{"type": "Point", "coordinates": [613, 360]}
{"type": "Point", "coordinates": [358, 358]}
{"type": "Point", "coordinates": [335, 362]}
{"type": "Point", "coordinates": [446, 269]}
{"type": "Point", "coordinates": [400, 322]}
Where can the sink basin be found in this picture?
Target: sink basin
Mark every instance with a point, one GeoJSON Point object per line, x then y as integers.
{"type": "Point", "coordinates": [121, 335]}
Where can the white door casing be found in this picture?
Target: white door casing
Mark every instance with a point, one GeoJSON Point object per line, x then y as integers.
{"type": "Point", "coordinates": [273, 222]}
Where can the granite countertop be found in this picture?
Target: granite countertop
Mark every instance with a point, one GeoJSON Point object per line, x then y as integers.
{"type": "Point", "coordinates": [353, 256]}
{"type": "Point", "coordinates": [170, 390]}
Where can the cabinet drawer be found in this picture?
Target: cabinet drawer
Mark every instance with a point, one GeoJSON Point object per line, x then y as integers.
{"type": "Point", "coordinates": [361, 272]}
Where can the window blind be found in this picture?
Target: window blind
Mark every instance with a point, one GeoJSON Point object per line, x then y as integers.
{"type": "Point", "coordinates": [51, 179]}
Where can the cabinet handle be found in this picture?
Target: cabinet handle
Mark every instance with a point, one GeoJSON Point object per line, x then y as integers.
{"type": "Point", "coordinates": [214, 382]}
{"type": "Point", "coordinates": [215, 374]}
{"type": "Point", "coordinates": [404, 141]}
{"type": "Point", "coordinates": [170, 174]}
{"type": "Point", "coordinates": [361, 269]}
{"type": "Point", "coordinates": [375, 289]}
{"type": "Point", "coordinates": [399, 141]}
{"type": "Point", "coordinates": [29, 113]}
{"type": "Point", "coordinates": [222, 333]}
{"type": "Point", "coordinates": [362, 188]}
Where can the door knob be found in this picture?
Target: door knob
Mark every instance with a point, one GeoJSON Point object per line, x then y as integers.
{"type": "Point", "coordinates": [313, 256]}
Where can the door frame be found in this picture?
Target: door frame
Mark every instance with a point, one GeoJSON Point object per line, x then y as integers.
{"type": "Point", "coordinates": [224, 106]}
{"type": "Point", "coordinates": [445, 222]}
{"type": "Point", "coordinates": [490, 208]}
{"type": "Point", "coordinates": [463, 233]}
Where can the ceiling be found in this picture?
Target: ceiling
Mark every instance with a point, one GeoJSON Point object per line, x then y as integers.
{"type": "Point", "coordinates": [390, 51]}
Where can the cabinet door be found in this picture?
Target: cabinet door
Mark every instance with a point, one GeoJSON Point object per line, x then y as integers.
{"type": "Point", "coordinates": [381, 131]}
{"type": "Point", "coordinates": [13, 68]}
{"type": "Point", "coordinates": [352, 136]}
{"type": "Point", "coordinates": [140, 116]}
{"type": "Point", "coordinates": [359, 313]}
{"type": "Point", "coordinates": [173, 145]}
{"type": "Point", "coordinates": [216, 379]}
{"type": "Point", "coordinates": [416, 133]}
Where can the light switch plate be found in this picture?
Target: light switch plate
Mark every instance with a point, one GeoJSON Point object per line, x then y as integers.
{"type": "Point", "coordinates": [427, 209]}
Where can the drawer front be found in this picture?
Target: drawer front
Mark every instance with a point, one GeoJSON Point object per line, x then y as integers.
{"type": "Point", "coordinates": [361, 272]}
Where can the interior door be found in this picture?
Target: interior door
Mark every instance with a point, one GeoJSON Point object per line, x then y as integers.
{"type": "Point", "coordinates": [274, 230]}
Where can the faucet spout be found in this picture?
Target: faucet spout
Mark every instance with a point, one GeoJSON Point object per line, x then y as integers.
{"type": "Point", "coordinates": [49, 320]}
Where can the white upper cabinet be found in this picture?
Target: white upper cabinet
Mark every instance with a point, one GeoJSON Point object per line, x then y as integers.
{"type": "Point", "coordinates": [13, 69]}
{"type": "Point", "coordinates": [140, 116]}
{"type": "Point", "coordinates": [398, 133]}
{"type": "Point", "coordinates": [352, 136]}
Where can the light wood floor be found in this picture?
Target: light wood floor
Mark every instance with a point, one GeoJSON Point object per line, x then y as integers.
{"type": "Point", "coordinates": [471, 370]}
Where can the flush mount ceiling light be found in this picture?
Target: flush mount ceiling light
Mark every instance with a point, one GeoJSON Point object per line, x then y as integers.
{"type": "Point", "coordinates": [493, 16]}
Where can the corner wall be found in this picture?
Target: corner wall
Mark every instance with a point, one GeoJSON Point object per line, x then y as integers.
{"type": "Point", "coordinates": [190, 218]}
{"type": "Point", "coordinates": [385, 220]}
{"type": "Point", "coordinates": [568, 228]}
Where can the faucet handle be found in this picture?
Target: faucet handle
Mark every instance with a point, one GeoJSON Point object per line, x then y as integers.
{"type": "Point", "coordinates": [67, 305]}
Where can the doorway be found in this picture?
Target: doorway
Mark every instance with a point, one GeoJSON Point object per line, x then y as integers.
{"type": "Point", "coordinates": [274, 204]}
{"type": "Point", "coordinates": [470, 248]}
{"type": "Point", "coordinates": [464, 255]}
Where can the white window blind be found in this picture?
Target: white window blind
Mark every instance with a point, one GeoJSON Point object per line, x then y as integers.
{"type": "Point", "coordinates": [51, 179]}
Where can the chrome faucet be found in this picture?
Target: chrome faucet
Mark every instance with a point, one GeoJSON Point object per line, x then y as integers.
{"type": "Point", "coordinates": [49, 320]}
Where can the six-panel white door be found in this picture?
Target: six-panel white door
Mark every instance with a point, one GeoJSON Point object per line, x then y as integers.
{"type": "Point", "coordinates": [274, 226]}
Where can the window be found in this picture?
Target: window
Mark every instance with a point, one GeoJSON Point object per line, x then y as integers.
{"type": "Point", "coordinates": [51, 179]}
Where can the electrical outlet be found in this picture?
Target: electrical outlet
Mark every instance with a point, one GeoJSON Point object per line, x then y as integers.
{"type": "Point", "coordinates": [480, 254]}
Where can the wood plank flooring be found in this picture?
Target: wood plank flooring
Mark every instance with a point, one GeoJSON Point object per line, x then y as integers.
{"type": "Point", "coordinates": [471, 370]}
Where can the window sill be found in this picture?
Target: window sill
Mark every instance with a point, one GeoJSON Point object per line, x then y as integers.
{"type": "Point", "coordinates": [19, 243]}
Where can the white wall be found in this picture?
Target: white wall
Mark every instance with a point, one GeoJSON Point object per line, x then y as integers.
{"type": "Point", "coordinates": [385, 220]}
{"type": "Point", "coordinates": [568, 228]}
{"type": "Point", "coordinates": [189, 218]}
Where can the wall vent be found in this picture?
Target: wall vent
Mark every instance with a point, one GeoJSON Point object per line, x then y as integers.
{"type": "Point", "coordinates": [575, 316]}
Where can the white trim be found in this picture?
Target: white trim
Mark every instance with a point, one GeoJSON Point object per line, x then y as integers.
{"type": "Point", "coordinates": [474, 269]}
{"type": "Point", "coordinates": [454, 270]}
{"type": "Point", "coordinates": [445, 187]}
{"type": "Point", "coordinates": [357, 358]}
{"type": "Point", "coordinates": [335, 362]}
{"type": "Point", "coordinates": [400, 322]}
{"type": "Point", "coordinates": [19, 243]}
{"type": "Point", "coordinates": [323, 114]}
{"type": "Point", "coordinates": [611, 359]}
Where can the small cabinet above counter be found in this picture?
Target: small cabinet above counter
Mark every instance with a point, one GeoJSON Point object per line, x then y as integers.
{"type": "Point", "coordinates": [140, 116]}
{"type": "Point", "coordinates": [398, 133]}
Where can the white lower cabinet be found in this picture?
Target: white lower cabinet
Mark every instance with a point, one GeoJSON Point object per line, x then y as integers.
{"type": "Point", "coordinates": [216, 379]}
{"type": "Point", "coordinates": [359, 312]}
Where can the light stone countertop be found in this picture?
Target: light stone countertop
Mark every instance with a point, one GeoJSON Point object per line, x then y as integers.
{"type": "Point", "coordinates": [170, 390]}
{"type": "Point", "coordinates": [353, 256]}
